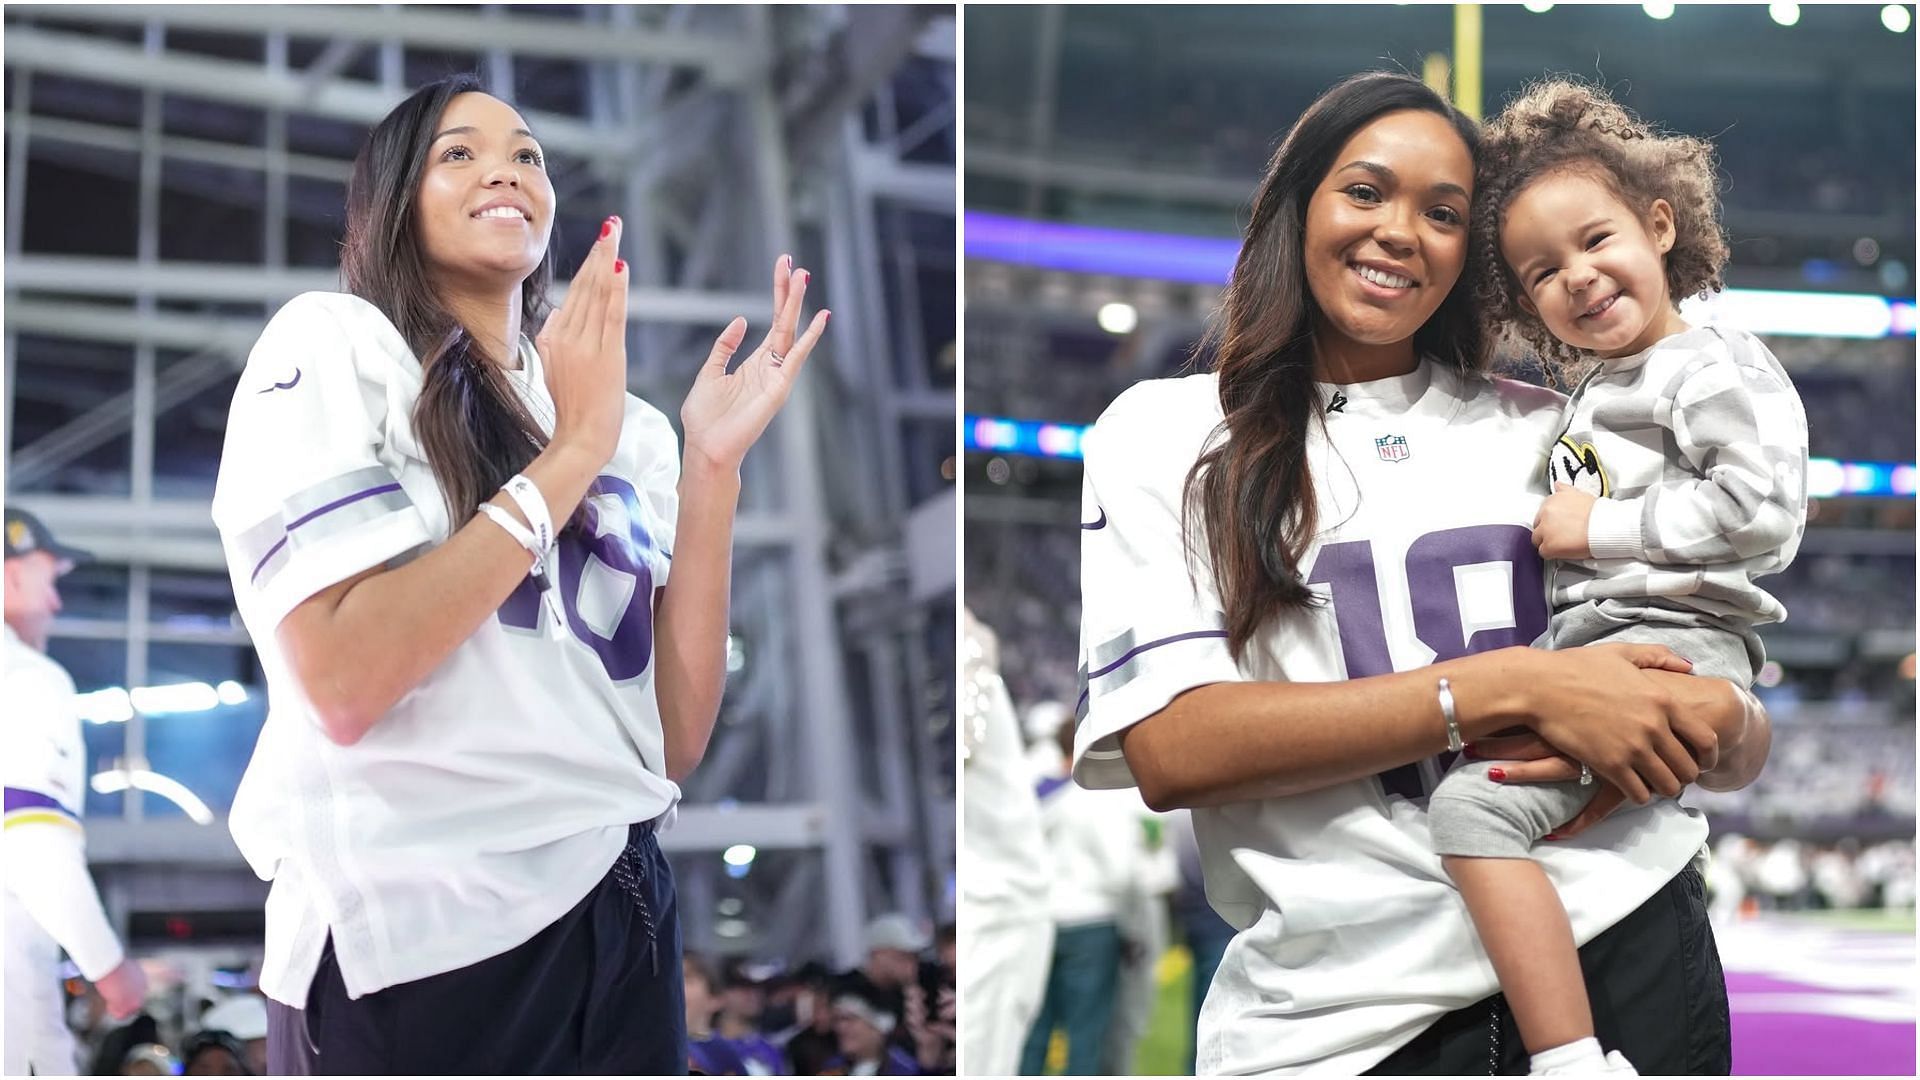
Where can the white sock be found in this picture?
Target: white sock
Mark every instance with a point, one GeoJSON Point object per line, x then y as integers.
{"type": "Point", "coordinates": [1581, 1051]}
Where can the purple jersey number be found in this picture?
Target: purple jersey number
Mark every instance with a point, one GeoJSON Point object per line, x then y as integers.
{"type": "Point", "coordinates": [1347, 570]}
{"type": "Point", "coordinates": [626, 653]}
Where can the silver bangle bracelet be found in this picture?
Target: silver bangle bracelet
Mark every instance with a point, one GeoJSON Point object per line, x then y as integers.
{"type": "Point", "coordinates": [1454, 743]}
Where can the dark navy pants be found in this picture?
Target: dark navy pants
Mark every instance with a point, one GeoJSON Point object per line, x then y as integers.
{"type": "Point", "coordinates": [1657, 991]}
{"type": "Point", "coordinates": [598, 991]}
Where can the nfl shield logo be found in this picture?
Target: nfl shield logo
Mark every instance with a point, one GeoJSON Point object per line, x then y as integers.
{"type": "Point", "coordinates": [1392, 447]}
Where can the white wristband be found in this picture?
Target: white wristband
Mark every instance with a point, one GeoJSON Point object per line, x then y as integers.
{"type": "Point", "coordinates": [514, 529]}
{"type": "Point", "coordinates": [526, 494]}
{"type": "Point", "coordinates": [538, 572]}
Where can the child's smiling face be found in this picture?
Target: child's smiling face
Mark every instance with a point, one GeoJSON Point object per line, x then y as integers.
{"type": "Point", "coordinates": [1589, 267]}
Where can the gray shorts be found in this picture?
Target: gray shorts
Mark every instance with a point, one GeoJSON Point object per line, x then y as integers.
{"type": "Point", "coordinates": [1730, 651]}
{"type": "Point", "coordinates": [1469, 814]}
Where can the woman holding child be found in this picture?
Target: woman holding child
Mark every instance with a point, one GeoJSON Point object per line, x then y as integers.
{"type": "Point", "coordinates": [1314, 573]}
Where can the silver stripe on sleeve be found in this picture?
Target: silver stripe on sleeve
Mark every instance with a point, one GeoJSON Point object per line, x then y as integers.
{"type": "Point", "coordinates": [318, 513]}
{"type": "Point", "coordinates": [305, 504]}
{"type": "Point", "coordinates": [1121, 659]}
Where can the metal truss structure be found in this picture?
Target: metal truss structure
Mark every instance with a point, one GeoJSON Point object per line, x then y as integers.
{"type": "Point", "coordinates": [220, 138]}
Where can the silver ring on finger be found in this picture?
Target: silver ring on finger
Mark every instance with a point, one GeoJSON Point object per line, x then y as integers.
{"type": "Point", "coordinates": [776, 358]}
{"type": "Point", "coordinates": [1586, 774]}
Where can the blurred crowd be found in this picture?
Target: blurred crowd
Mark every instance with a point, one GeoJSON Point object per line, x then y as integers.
{"type": "Point", "coordinates": [1825, 775]}
{"type": "Point", "coordinates": [1836, 401]}
{"type": "Point", "coordinates": [1024, 581]}
{"type": "Point", "coordinates": [224, 1036]}
{"type": "Point", "coordinates": [893, 1015]}
{"type": "Point", "coordinates": [1748, 875]}
{"type": "Point", "coordinates": [1037, 370]}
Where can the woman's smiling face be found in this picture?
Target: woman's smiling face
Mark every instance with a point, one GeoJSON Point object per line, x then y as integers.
{"type": "Point", "coordinates": [1386, 229]}
{"type": "Point", "coordinates": [485, 204]}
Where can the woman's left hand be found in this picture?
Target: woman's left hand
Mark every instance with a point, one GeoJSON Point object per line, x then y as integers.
{"type": "Point", "coordinates": [725, 412]}
{"type": "Point", "coordinates": [1529, 759]}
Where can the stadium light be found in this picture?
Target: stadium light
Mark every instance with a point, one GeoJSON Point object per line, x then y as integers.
{"type": "Point", "coordinates": [1896, 18]}
{"type": "Point", "coordinates": [1784, 14]}
{"type": "Point", "coordinates": [114, 705]}
{"type": "Point", "coordinates": [109, 706]}
{"type": "Point", "coordinates": [739, 855]}
{"type": "Point", "coordinates": [1826, 477]}
{"type": "Point", "coordinates": [1118, 318]}
{"type": "Point", "coordinates": [175, 698]}
{"type": "Point", "coordinates": [1208, 260]}
{"type": "Point", "coordinates": [1795, 314]}
{"type": "Point", "coordinates": [1537, 7]}
{"type": "Point", "coordinates": [1658, 11]}
{"type": "Point", "coordinates": [175, 792]}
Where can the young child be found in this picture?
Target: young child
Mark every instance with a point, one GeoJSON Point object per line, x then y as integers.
{"type": "Point", "coordinates": [1679, 479]}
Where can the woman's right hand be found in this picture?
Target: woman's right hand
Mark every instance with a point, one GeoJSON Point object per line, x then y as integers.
{"type": "Point", "coordinates": [583, 347]}
{"type": "Point", "coordinates": [1596, 705]}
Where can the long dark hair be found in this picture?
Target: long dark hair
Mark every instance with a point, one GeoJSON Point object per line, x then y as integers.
{"type": "Point", "coordinates": [475, 431]}
{"type": "Point", "coordinates": [1252, 491]}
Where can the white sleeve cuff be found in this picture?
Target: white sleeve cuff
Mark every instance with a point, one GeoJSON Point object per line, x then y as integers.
{"type": "Point", "coordinates": [1613, 529]}
{"type": "Point", "coordinates": [47, 870]}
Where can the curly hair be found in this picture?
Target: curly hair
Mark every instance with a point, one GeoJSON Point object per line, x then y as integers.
{"type": "Point", "coordinates": [1558, 126]}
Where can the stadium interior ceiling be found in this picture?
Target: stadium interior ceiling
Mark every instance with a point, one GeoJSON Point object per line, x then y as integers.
{"type": "Point", "coordinates": [175, 174]}
{"type": "Point", "coordinates": [1159, 120]}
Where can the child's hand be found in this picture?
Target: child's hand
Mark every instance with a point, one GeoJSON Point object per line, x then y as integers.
{"type": "Point", "coordinates": [1560, 530]}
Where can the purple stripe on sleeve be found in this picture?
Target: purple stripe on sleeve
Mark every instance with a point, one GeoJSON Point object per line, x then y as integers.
{"type": "Point", "coordinates": [22, 799]}
{"type": "Point", "coordinates": [328, 508]}
{"type": "Point", "coordinates": [267, 558]}
{"type": "Point", "coordinates": [344, 500]}
{"type": "Point", "coordinates": [1138, 649]}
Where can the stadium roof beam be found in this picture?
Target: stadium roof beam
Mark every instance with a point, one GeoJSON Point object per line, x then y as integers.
{"type": "Point", "coordinates": [184, 148]}
{"type": "Point", "coordinates": [100, 322]}
{"type": "Point", "coordinates": [246, 83]}
{"type": "Point", "coordinates": [724, 59]}
{"type": "Point", "coordinates": [922, 185]}
{"type": "Point", "coordinates": [88, 275]}
{"type": "Point", "coordinates": [867, 49]}
{"type": "Point", "coordinates": [1082, 175]}
{"type": "Point", "coordinates": [333, 59]}
{"type": "Point", "coordinates": [100, 424]}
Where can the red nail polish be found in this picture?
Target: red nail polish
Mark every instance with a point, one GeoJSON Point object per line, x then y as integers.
{"type": "Point", "coordinates": [606, 228]}
{"type": "Point", "coordinates": [1497, 775]}
{"type": "Point", "coordinates": [806, 277]}
{"type": "Point", "coordinates": [1551, 836]}
{"type": "Point", "coordinates": [619, 266]}
{"type": "Point", "coordinates": [824, 316]}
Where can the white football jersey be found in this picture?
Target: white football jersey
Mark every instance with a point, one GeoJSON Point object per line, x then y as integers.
{"type": "Point", "coordinates": [1352, 938]}
{"type": "Point", "coordinates": [1003, 870]}
{"type": "Point", "coordinates": [497, 792]}
{"type": "Point", "coordinates": [51, 902]}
